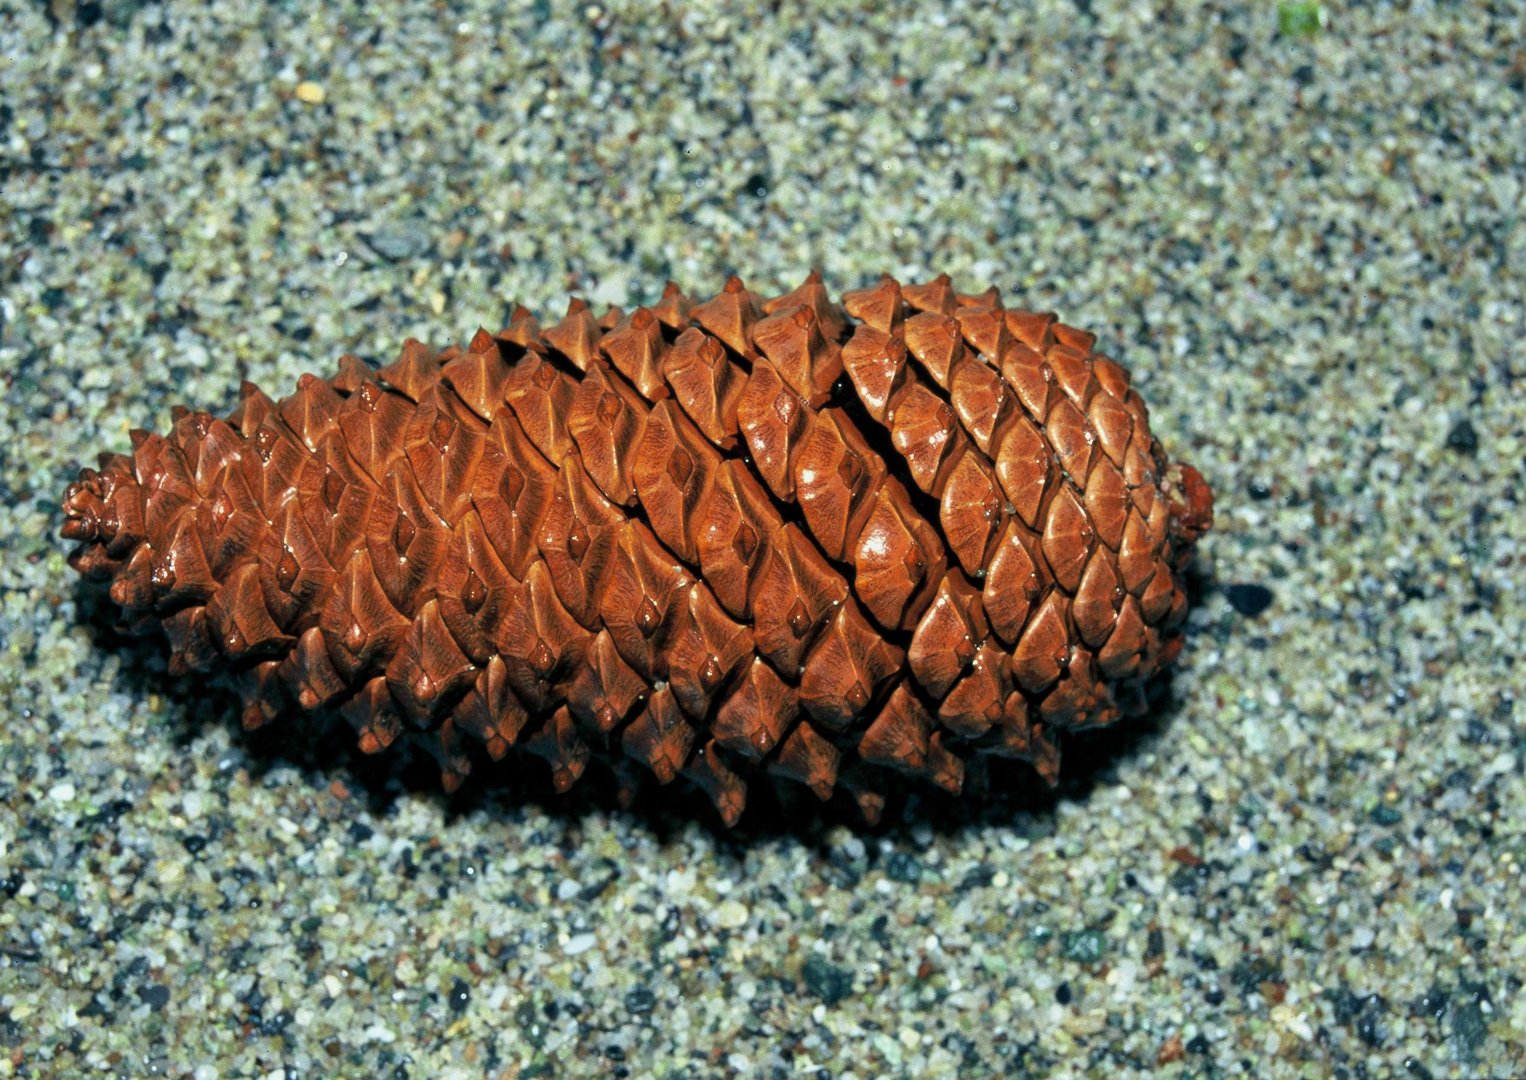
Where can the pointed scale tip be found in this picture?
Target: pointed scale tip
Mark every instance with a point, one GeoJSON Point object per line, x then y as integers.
{"type": "Point", "coordinates": [79, 528]}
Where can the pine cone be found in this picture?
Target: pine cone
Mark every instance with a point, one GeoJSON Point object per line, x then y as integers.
{"type": "Point", "coordinates": [723, 540]}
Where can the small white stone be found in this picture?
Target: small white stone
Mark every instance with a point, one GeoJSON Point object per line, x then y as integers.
{"type": "Point", "coordinates": [61, 792]}
{"type": "Point", "coordinates": [1087, 1023]}
{"type": "Point", "coordinates": [579, 943]}
{"type": "Point", "coordinates": [731, 915]}
{"type": "Point", "coordinates": [1288, 1019]}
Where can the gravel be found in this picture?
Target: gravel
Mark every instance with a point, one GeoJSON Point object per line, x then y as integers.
{"type": "Point", "coordinates": [1299, 226]}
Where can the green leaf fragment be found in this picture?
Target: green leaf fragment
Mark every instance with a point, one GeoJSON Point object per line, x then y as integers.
{"type": "Point", "coordinates": [1302, 19]}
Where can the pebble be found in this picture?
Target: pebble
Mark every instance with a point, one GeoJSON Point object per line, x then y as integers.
{"type": "Point", "coordinates": [1463, 438]}
{"type": "Point", "coordinates": [826, 980]}
{"type": "Point", "coordinates": [1083, 946]}
{"type": "Point", "coordinates": [401, 242]}
{"type": "Point", "coordinates": [1248, 600]}
{"type": "Point", "coordinates": [731, 915]}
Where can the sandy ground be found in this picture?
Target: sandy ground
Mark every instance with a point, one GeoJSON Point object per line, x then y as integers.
{"type": "Point", "coordinates": [1302, 233]}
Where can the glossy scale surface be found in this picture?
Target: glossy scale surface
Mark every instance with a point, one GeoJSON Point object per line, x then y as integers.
{"type": "Point", "coordinates": [824, 542]}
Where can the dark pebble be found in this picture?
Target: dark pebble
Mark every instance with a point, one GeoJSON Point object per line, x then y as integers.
{"type": "Point", "coordinates": [640, 1001]}
{"type": "Point", "coordinates": [1463, 438]}
{"type": "Point", "coordinates": [1468, 1029]}
{"type": "Point", "coordinates": [1386, 815]}
{"type": "Point", "coordinates": [1062, 993]}
{"type": "Point", "coordinates": [154, 995]}
{"type": "Point", "coordinates": [1198, 1045]}
{"type": "Point", "coordinates": [978, 878]}
{"type": "Point", "coordinates": [826, 980]}
{"type": "Point", "coordinates": [903, 867]}
{"type": "Point", "coordinates": [595, 889]}
{"type": "Point", "coordinates": [1250, 973]}
{"type": "Point", "coordinates": [1259, 490]}
{"type": "Point", "coordinates": [1432, 1003]}
{"type": "Point", "coordinates": [460, 996]}
{"type": "Point", "coordinates": [530, 1026]}
{"type": "Point", "coordinates": [110, 813]}
{"type": "Point", "coordinates": [1248, 600]}
{"type": "Point", "coordinates": [1187, 881]}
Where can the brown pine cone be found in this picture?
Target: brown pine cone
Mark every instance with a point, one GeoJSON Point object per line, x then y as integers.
{"type": "Point", "coordinates": [720, 540]}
